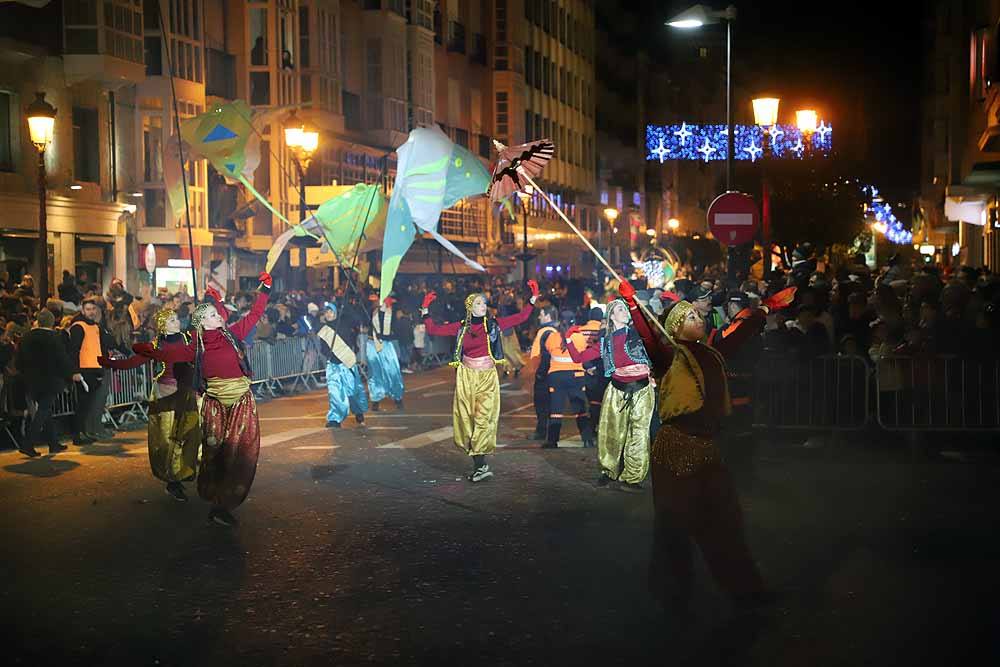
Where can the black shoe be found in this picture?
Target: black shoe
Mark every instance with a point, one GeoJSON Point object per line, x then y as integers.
{"type": "Point", "coordinates": [333, 424]}
{"type": "Point", "coordinates": [359, 418]}
{"type": "Point", "coordinates": [550, 445]}
{"type": "Point", "coordinates": [176, 491]}
{"type": "Point", "coordinates": [222, 517]}
{"type": "Point", "coordinates": [83, 439]}
{"type": "Point", "coordinates": [399, 404]}
{"type": "Point", "coordinates": [28, 451]}
{"type": "Point", "coordinates": [375, 406]}
{"type": "Point", "coordinates": [629, 487]}
{"type": "Point", "coordinates": [56, 448]}
{"type": "Point", "coordinates": [603, 480]}
{"type": "Point", "coordinates": [481, 473]}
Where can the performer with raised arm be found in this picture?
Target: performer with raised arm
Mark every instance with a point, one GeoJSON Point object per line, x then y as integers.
{"type": "Point", "coordinates": [344, 387]}
{"type": "Point", "coordinates": [173, 430]}
{"type": "Point", "coordinates": [627, 405]}
{"type": "Point", "coordinates": [478, 351]}
{"type": "Point", "coordinates": [692, 487]}
{"type": "Point", "coordinates": [385, 376]}
{"type": "Point", "coordinates": [229, 426]}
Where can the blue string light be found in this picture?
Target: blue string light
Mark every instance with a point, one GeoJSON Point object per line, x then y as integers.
{"type": "Point", "coordinates": [886, 221]}
{"type": "Point", "coordinates": [691, 141]}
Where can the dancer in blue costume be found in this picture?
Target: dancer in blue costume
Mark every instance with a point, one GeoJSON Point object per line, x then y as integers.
{"type": "Point", "coordinates": [385, 378]}
{"type": "Point", "coordinates": [344, 387]}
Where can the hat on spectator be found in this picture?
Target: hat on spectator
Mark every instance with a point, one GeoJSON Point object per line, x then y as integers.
{"type": "Point", "coordinates": [45, 318]}
{"type": "Point", "coordinates": [697, 293]}
{"type": "Point", "coordinates": [737, 298]}
{"type": "Point", "coordinates": [596, 313]}
{"type": "Point", "coordinates": [312, 308]}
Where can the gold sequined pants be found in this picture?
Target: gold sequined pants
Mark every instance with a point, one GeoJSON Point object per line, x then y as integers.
{"type": "Point", "coordinates": [476, 410]}
{"type": "Point", "coordinates": [230, 447]}
{"type": "Point", "coordinates": [623, 435]}
{"type": "Point", "coordinates": [174, 436]}
{"type": "Point", "coordinates": [696, 503]}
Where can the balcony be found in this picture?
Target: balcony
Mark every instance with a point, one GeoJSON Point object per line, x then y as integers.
{"type": "Point", "coordinates": [464, 222]}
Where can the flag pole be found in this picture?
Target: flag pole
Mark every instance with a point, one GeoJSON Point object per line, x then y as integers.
{"type": "Point", "coordinates": [180, 150]}
{"type": "Point", "coordinates": [649, 315]}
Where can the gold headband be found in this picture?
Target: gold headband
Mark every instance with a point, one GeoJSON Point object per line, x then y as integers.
{"type": "Point", "coordinates": [469, 300]}
{"type": "Point", "coordinates": [199, 313]}
{"type": "Point", "coordinates": [676, 317]}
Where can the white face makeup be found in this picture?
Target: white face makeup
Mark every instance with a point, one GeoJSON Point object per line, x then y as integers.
{"type": "Point", "coordinates": [172, 325]}
{"type": "Point", "coordinates": [619, 315]}
{"type": "Point", "coordinates": [479, 307]}
{"type": "Point", "coordinates": [211, 320]}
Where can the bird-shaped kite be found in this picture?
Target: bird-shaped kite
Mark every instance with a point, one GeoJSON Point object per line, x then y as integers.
{"type": "Point", "coordinates": [517, 162]}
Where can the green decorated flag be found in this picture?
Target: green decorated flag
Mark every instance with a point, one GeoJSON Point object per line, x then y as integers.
{"type": "Point", "coordinates": [432, 173]}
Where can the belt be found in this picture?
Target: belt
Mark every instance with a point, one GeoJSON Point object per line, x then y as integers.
{"type": "Point", "coordinates": [565, 360]}
{"type": "Point", "coordinates": [630, 387]}
{"type": "Point", "coordinates": [478, 363]}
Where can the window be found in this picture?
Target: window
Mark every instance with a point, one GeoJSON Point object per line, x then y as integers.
{"type": "Point", "coordinates": [703, 52]}
{"type": "Point", "coordinates": [456, 37]}
{"type": "Point", "coordinates": [502, 115]}
{"type": "Point", "coordinates": [500, 55]}
{"type": "Point", "coordinates": [260, 88]}
{"type": "Point", "coordinates": [7, 138]}
{"type": "Point", "coordinates": [562, 25]}
{"type": "Point", "coordinates": [562, 85]}
{"type": "Point", "coordinates": [262, 222]}
{"type": "Point", "coordinates": [303, 37]}
{"type": "Point", "coordinates": [305, 88]}
{"type": "Point", "coordinates": [422, 13]}
{"type": "Point", "coordinates": [258, 37]}
{"type": "Point", "coordinates": [538, 127]}
{"type": "Point", "coordinates": [529, 64]}
{"type": "Point", "coordinates": [546, 14]}
{"type": "Point", "coordinates": [352, 110]}
{"type": "Point", "coordinates": [527, 126]}
{"type": "Point", "coordinates": [978, 74]}
{"type": "Point", "coordinates": [86, 158]}
{"type": "Point", "coordinates": [545, 75]}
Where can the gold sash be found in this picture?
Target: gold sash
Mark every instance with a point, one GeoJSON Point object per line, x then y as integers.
{"type": "Point", "coordinates": [228, 390]}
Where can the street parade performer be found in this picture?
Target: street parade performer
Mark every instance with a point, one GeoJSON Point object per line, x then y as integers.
{"type": "Point", "coordinates": [344, 387]}
{"type": "Point", "coordinates": [693, 494]}
{"type": "Point", "coordinates": [385, 376]}
{"type": "Point", "coordinates": [229, 425]}
{"type": "Point", "coordinates": [628, 402]}
{"type": "Point", "coordinates": [478, 351]}
{"type": "Point", "coordinates": [173, 430]}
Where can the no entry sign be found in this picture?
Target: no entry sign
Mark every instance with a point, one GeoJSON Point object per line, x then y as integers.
{"type": "Point", "coordinates": [733, 218]}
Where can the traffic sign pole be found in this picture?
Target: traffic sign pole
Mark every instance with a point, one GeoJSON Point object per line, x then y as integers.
{"type": "Point", "coordinates": [734, 219]}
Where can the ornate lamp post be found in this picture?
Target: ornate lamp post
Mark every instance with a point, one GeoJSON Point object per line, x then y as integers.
{"type": "Point", "coordinates": [525, 256]}
{"type": "Point", "coordinates": [765, 114]}
{"type": "Point", "coordinates": [41, 123]}
{"type": "Point", "coordinates": [611, 214]}
{"type": "Point", "coordinates": [302, 141]}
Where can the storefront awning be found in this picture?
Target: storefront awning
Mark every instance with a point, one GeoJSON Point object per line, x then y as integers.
{"type": "Point", "coordinates": [960, 209]}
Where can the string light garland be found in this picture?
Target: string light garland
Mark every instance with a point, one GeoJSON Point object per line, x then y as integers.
{"type": "Point", "coordinates": [691, 141]}
{"type": "Point", "coordinates": [886, 222]}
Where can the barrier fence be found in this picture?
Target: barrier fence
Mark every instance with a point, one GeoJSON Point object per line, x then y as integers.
{"type": "Point", "coordinates": [828, 393]}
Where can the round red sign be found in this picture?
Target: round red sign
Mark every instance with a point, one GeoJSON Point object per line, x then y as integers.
{"type": "Point", "coordinates": [733, 218]}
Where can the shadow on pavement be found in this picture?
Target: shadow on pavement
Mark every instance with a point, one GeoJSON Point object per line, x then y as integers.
{"type": "Point", "coordinates": [327, 471]}
{"type": "Point", "coordinates": [42, 467]}
{"type": "Point", "coordinates": [116, 450]}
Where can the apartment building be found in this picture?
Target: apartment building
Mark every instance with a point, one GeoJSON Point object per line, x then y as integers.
{"type": "Point", "coordinates": [960, 149]}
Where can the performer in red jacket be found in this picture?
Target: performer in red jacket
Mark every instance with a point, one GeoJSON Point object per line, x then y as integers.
{"type": "Point", "coordinates": [478, 351]}
{"type": "Point", "coordinates": [229, 426]}
{"type": "Point", "coordinates": [173, 432]}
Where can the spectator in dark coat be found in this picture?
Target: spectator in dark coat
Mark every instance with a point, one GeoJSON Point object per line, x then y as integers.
{"type": "Point", "coordinates": [46, 368]}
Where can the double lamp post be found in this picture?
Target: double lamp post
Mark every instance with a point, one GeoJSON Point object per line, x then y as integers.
{"type": "Point", "coordinates": [302, 140]}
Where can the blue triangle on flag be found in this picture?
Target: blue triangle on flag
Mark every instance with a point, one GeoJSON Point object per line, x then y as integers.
{"type": "Point", "coordinates": [218, 133]}
{"type": "Point", "coordinates": [231, 167]}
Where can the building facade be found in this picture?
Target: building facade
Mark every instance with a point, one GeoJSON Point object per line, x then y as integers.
{"type": "Point", "coordinates": [960, 165]}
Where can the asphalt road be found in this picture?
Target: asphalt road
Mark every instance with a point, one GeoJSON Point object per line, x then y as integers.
{"type": "Point", "coordinates": [367, 546]}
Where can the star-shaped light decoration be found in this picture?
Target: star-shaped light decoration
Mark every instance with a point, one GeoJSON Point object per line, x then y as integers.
{"type": "Point", "coordinates": [683, 134]}
{"type": "Point", "coordinates": [754, 150]}
{"type": "Point", "coordinates": [661, 151]}
{"type": "Point", "coordinates": [823, 130]}
{"type": "Point", "coordinates": [798, 147]}
{"type": "Point", "coordinates": [706, 150]}
{"type": "Point", "coordinates": [776, 133]}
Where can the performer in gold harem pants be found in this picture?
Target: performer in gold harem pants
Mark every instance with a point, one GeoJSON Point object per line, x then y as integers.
{"type": "Point", "coordinates": [623, 438]}
{"type": "Point", "coordinates": [476, 410]}
{"type": "Point", "coordinates": [231, 442]}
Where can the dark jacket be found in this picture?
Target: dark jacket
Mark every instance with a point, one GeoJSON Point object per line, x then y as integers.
{"type": "Point", "coordinates": [44, 362]}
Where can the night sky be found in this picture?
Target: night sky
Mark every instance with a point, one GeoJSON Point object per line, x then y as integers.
{"type": "Point", "coordinates": [859, 64]}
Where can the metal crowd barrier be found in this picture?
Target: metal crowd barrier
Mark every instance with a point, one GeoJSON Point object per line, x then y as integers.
{"type": "Point", "coordinates": [830, 392]}
{"type": "Point", "coordinates": [937, 394]}
{"type": "Point", "coordinates": [437, 350]}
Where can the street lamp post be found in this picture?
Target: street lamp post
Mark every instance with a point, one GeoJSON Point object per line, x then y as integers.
{"type": "Point", "coordinates": [696, 17]}
{"type": "Point", "coordinates": [41, 122]}
{"type": "Point", "coordinates": [525, 257]}
{"type": "Point", "coordinates": [302, 141]}
{"type": "Point", "coordinates": [765, 114]}
{"type": "Point", "coordinates": [611, 214]}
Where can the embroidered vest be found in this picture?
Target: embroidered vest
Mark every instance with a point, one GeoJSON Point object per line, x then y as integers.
{"type": "Point", "coordinates": [493, 342]}
{"type": "Point", "coordinates": [634, 348]}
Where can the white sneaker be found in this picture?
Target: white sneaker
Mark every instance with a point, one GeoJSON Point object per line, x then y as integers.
{"type": "Point", "coordinates": [481, 473]}
{"type": "Point", "coordinates": [407, 371]}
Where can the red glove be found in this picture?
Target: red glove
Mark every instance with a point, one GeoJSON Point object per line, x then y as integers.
{"type": "Point", "coordinates": [103, 362]}
{"type": "Point", "coordinates": [627, 291]}
{"type": "Point", "coordinates": [265, 280]}
{"type": "Point", "coordinates": [145, 349]}
{"type": "Point", "coordinates": [213, 294]}
{"type": "Point", "coordinates": [782, 299]}
{"type": "Point", "coordinates": [428, 300]}
{"type": "Point", "coordinates": [572, 330]}
{"type": "Point", "coordinates": [533, 286]}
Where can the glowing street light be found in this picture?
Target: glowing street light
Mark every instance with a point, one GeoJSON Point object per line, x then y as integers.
{"type": "Point", "coordinates": [806, 120]}
{"type": "Point", "coordinates": [611, 214]}
{"type": "Point", "coordinates": [765, 111]}
{"type": "Point", "coordinates": [41, 126]}
{"type": "Point", "coordinates": [673, 224]}
{"type": "Point", "coordinates": [302, 141]}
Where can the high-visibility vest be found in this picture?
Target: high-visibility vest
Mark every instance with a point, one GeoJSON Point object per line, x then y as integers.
{"type": "Point", "coordinates": [90, 349]}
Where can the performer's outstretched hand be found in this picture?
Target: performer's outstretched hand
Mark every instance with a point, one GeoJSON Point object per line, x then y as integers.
{"type": "Point", "coordinates": [780, 300]}
{"type": "Point", "coordinates": [428, 300]}
{"type": "Point", "coordinates": [265, 282]}
{"type": "Point", "coordinates": [212, 294]}
{"type": "Point", "coordinates": [627, 291]}
{"type": "Point", "coordinates": [533, 286]}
